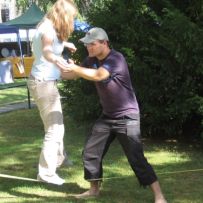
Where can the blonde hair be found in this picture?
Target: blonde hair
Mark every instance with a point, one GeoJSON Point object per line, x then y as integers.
{"type": "Point", "coordinates": [62, 15]}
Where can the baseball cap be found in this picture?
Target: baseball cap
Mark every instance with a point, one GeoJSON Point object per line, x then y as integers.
{"type": "Point", "coordinates": [94, 34]}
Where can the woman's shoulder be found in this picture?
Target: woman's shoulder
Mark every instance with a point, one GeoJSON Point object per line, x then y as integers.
{"type": "Point", "coordinates": [46, 26]}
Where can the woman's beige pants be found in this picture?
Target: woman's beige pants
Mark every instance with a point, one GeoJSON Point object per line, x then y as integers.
{"type": "Point", "coordinates": [47, 99]}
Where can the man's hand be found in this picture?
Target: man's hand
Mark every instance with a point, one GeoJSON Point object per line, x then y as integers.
{"type": "Point", "coordinates": [69, 66]}
{"type": "Point", "coordinates": [61, 63]}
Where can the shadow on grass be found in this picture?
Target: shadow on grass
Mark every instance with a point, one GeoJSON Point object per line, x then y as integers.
{"type": "Point", "coordinates": [111, 191]}
{"type": "Point", "coordinates": [49, 194]}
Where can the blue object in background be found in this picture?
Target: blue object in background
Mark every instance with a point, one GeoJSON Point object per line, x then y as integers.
{"type": "Point", "coordinates": [81, 25]}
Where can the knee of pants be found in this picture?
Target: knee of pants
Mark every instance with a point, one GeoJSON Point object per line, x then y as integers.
{"type": "Point", "coordinates": [55, 133]}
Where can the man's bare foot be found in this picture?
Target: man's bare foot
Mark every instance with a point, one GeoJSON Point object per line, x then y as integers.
{"type": "Point", "coordinates": [160, 200]}
{"type": "Point", "coordinates": [87, 194]}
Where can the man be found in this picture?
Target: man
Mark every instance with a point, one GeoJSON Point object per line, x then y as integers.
{"type": "Point", "coordinates": [120, 115]}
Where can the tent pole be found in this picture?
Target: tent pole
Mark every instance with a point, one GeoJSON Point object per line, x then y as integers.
{"type": "Point", "coordinates": [28, 46]}
{"type": "Point", "coordinates": [22, 59]}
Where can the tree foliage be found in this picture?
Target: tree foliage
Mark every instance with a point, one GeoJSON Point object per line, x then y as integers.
{"type": "Point", "coordinates": [25, 4]}
{"type": "Point", "coordinates": [83, 5]}
{"type": "Point", "coordinates": [162, 41]}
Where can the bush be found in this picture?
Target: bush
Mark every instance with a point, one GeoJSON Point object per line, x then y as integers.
{"type": "Point", "coordinates": [163, 47]}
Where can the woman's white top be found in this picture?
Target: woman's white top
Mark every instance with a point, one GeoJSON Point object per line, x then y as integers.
{"type": "Point", "coordinates": [43, 69]}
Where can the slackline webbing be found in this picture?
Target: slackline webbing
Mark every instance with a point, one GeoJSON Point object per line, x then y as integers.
{"type": "Point", "coordinates": [105, 178]}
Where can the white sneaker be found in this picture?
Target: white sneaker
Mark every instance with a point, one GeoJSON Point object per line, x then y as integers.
{"type": "Point", "coordinates": [55, 179]}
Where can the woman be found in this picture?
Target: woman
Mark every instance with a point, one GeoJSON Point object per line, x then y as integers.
{"type": "Point", "coordinates": [48, 44]}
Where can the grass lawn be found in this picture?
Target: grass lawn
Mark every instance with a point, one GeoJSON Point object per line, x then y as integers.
{"type": "Point", "coordinates": [15, 94]}
{"type": "Point", "coordinates": [179, 166]}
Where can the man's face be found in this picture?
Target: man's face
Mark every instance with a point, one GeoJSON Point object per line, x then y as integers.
{"type": "Point", "coordinates": [96, 48]}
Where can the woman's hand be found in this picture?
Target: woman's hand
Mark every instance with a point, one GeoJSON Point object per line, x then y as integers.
{"type": "Point", "coordinates": [71, 47]}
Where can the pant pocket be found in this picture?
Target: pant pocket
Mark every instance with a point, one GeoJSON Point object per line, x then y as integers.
{"type": "Point", "coordinates": [133, 130]}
